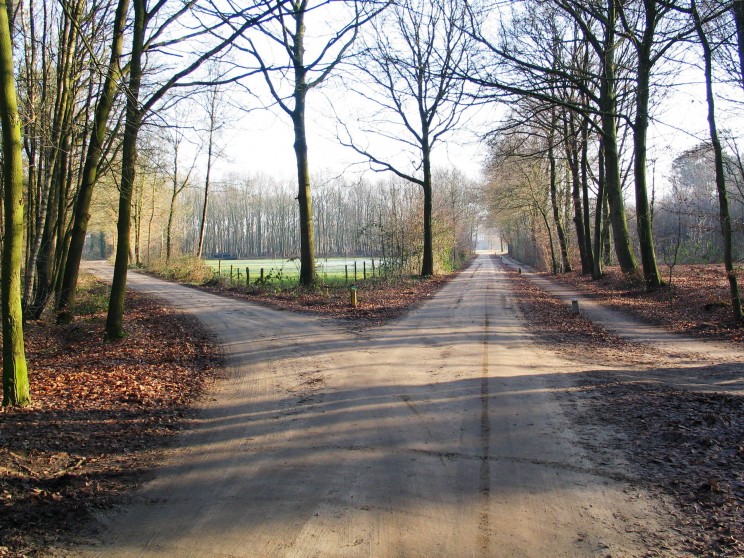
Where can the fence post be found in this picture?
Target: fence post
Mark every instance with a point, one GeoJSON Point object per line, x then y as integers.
{"type": "Point", "coordinates": [346, 268]}
{"type": "Point", "coordinates": [219, 268]}
{"type": "Point", "coordinates": [364, 270]}
{"type": "Point", "coordinates": [231, 273]}
{"type": "Point", "coordinates": [355, 273]}
{"type": "Point", "coordinates": [262, 276]}
{"type": "Point", "coordinates": [247, 277]}
{"type": "Point", "coordinates": [373, 267]}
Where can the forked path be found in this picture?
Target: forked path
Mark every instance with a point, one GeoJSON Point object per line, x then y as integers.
{"type": "Point", "coordinates": [437, 435]}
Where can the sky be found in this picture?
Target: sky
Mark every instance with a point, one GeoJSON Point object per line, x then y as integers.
{"type": "Point", "coordinates": [260, 140]}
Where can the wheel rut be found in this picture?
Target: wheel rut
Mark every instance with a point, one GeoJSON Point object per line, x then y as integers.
{"type": "Point", "coordinates": [485, 436]}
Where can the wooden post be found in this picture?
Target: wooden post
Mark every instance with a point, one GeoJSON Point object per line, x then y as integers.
{"type": "Point", "coordinates": [364, 270]}
{"type": "Point", "coordinates": [247, 277]}
{"type": "Point", "coordinates": [231, 272]}
{"type": "Point", "coordinates": [346, 280]}
{"type": "Point", "coordinates": [355, 273]}
{"type": "Point", "coordinates": [219, 268]}
{"type": "Point", "coordinates": [373, 267]}
{"type": "Point", "coordinates": [353, 296]}
{"type": "Point", "coordinates": [262, 276]}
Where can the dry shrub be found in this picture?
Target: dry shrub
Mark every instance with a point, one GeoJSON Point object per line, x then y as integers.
{"type": "Point", "coordinates": [183, 269]}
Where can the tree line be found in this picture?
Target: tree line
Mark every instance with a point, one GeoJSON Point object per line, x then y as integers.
{"type": "Point", "coordinates": [585, 80]}
{"type": "Point", "coordinates": [81, 79]}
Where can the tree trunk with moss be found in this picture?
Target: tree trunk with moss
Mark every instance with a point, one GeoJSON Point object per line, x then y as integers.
{"type": "Point", "coordinates": [613, 184]}
{"type": "Point", "coordinates": [66, 302]}
{"type": "Point", "coordinates": [15, 372]}
{"type": "Point", "coordinates": [115, 317]}
{"type": "Point", "coordinates": [724, 214]}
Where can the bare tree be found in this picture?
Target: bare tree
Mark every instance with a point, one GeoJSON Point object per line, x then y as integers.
{"type": "Point", "coordinates": [215, 123]}
{"type": "Point", "coordinates": [143, 43]}
{"type": "Point", "coordinates": [517, 67]}
{"type": "Point", "coordinates": [92, 163]}
{"type": "Point", "coordinates": [725, 217]}
{"type": "Point", "coordinates": [652, 32]}
{"type": "Point", "coordinates": [174, 136]}
{"type": "Point", "coordinates": [409, 71]}
{"type": "Point", "coordinates": [294, 73]}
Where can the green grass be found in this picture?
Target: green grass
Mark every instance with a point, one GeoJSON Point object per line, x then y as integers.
{"type": "Point", "coordinates": [92, 295]}
{"type": "Point", "coordinates": [278, 271]}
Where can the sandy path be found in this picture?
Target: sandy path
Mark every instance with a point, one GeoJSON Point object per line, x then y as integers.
{"type": "Point", "coordinates": [679, 358]}
{"type": "Point", "coordinates": [437, 435]}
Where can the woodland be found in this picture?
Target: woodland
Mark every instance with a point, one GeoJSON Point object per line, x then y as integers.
{"type": "Point", "coordinates": [116, 119]}
{"type": "Point", "coordinates": [101, 102]}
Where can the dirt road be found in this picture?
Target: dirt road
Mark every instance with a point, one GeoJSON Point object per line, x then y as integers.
{"type": "Point", "coordinates": [437, 436]}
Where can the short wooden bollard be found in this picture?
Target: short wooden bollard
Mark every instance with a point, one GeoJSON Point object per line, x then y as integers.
{"type": "Point", "coordinates": [353, 296]}
{"type": "Point", "coordinates": [575, 307]}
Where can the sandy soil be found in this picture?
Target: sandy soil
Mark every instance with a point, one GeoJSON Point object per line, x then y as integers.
{"type": "Point", "coordinates": [670, 405]}
{"type": "Point", "coordinates": [439, 434]}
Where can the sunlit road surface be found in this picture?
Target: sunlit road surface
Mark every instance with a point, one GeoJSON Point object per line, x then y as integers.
{"type": "Point", "coordinates": [437, 435]}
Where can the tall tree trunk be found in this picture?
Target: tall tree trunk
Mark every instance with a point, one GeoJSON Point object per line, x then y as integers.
{"type": "Point", "coordinates": [137, 217]}
{"type": "Point", "coordinates": [210, 148]}
{"type": "Point", "coordinates": [725, 217]}
{"type": "Point", "coordinates": [598, 221]}
{"type": "Point", "coordinates": [585, 195]}
{"type": "Point", "coordinates": [115, 317]}
{"type": "Point", "coordinates": [551, 244]}
{"type": "Point", "coordinates": [62, 132]}
{"type": "Point", "coordinates": [66, 303]}
{"type": "Point", "coordinates": [169, 227]}
{"type": "Point", "coordinates": [573, 158]}
{"type": "Point", "coordinates": [606, 236]}
{"type": "Point", "coordinates": [613, 184]}
{"type": "Point", "coordinates": [304, 197]}
{"type": "Point", "coordinates": [562, 245]}
{"type": "Point", "coordinates": [15, 372]}
{"type": "Point", "coordinates": [737, 7]}
{"type": "Point", "coordinates": [427, 262]}
{"type": "Point", "coordinates": [644, 218]}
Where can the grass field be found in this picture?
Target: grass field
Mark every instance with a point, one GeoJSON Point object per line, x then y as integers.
{"type": "Point", "coordinates": [281, 271]}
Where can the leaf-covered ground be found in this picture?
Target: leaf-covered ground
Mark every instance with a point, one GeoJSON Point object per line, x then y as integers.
{"type": "Point", "coordinates": [685, 444]}
{"type": "Point", "coordinates": [695, 301]}
{"type": "Point", "coordinates": [101, 418]}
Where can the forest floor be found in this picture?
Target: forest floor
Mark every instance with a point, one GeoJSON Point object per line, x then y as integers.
{"type": "Point", "coordinates": [102, 416]}
{"type": "Point", "coordinates": [92, 433]}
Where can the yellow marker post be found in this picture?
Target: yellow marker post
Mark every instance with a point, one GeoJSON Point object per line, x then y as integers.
{"type": "Point", "coordinates": [353, 293]}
